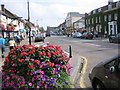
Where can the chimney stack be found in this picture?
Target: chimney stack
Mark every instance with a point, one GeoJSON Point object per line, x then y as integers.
{"type": "Point", "coordinates": [2, 7]}
{"type": "Point", "coordinates": [110, 2]}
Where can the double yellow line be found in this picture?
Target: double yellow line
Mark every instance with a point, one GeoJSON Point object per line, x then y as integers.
{"type": "Point", "coordinates": [82, 84]}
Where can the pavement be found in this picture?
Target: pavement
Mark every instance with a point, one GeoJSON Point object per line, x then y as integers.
{"type": "Point", "coordinates": [74, 72]}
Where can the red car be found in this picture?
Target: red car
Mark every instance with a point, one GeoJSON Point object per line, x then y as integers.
{"type": "Point", "coordinates": [39, 38]}
{"type": "Point", "coordinates": [87, 35]}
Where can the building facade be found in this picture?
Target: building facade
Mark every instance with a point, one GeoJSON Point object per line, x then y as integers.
{"type": "Point", "coordinates": [104, 20]}
{"type": "Point", "coordinates": [70, 19]}
{"type": "Point", "coordinates": [79, 25]}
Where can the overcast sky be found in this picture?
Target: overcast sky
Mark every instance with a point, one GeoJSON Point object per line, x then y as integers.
{"type": "Point", "coordinates": [51, 12]}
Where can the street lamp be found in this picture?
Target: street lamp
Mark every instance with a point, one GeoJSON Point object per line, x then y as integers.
{"type": "Point", "coordinates": [28, 22]}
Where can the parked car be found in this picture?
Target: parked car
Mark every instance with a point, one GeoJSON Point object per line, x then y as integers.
{"type": "Point", "coordinates": [106, 74]}
{"type": "Point", "coordinates": [87, 35]}
{"type": "Point", "coordinates": [114, 38]}
{"type": "Point", "coordinates": [77, 35]}
{"type": "Point", "coordinates": [39, 38]}
{"type": "Point", "coordinates": [48, 35]}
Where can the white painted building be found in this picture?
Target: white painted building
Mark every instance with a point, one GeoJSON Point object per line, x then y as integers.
{"type": "Point", "coordinates": [72, 17]}
{"type": "Point", "coordinates": [79, 25]}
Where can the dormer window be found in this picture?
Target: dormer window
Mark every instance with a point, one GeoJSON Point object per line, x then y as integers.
{"type": "Point", "coordinates": [109, 6]}
{"type": "Point", "coordinates": [118, 4]}
{"type": "Point", "coordinates": [99, 10]}
{"type": "Point", "coordinates": [94, 11]}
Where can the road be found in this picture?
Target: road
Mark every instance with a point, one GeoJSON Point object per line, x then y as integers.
{"type": "Point", "coordinates": [94, 51]}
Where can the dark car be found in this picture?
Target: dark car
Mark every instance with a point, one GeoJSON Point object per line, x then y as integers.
{"type": "Point", "coordinates": [106, 74]}
{"type": "Point", "coordinates": [39, 38]}
{"type": "Point", "coordinates": [87, 35]}
{"type": "Point", "coordinates": [114, 38]}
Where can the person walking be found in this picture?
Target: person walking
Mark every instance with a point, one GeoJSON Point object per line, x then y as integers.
{"type": "Point", "coordinates": [12, 44]}
{"type": "Point", "coordinates": [2, 46]}
{"type": "Point", "coordinates": [17, 39]}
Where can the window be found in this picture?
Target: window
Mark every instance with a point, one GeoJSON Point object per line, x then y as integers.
{"type": "Point", "coordinates": [96, 20]}
{"type": "Point", "coordinates": [109, 18]}
{"type": "Point", "coordinates": [89, 21]}
{"type": "Point", "coordinates": [109, 6]}
{"type": "Point", "coordinates": [99, 10]}
{"type": "Point", "coordinates": [117, 4]}
{"type": "Point", "coordinates": [94, 11]}
{"type": "Point", "coordinates": [110, 64]}
{"type": "Point", "coordinates": [105, 18]}
{"type": "Point", "coordinates": [86, 22]}
{"type": "Point", "coordinates": [99, 19]}
{"type": "Point", "coordinates": [115, 63]}
{"type": "Point", "coordinates": [115, 16]}
{"type": "Point", "coordinates": [92, 21]}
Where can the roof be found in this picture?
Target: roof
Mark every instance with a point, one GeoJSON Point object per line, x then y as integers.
{"type": "Point", "coordinates": [1, 12]}
{"type": "Point", "coordinates": [75, 14]}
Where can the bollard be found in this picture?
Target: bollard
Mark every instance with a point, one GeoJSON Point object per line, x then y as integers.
{"type": "Point", "coordinates": [70, 52]}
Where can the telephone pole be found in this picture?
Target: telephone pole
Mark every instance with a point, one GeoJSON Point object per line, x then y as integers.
{"type": "Point", "coordinates": [28, 23]}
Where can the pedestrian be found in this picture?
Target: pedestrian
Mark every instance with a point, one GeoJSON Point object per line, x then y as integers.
{"type": "Point", "coordinates": [17, 39]}
{"type": "Point", "coordinates": [2, 46]}
{"type": "Point", "coordinates": [12, 44]}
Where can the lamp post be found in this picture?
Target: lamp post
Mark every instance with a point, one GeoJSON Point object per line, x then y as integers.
{"type": "Point", "coordinates": [28, 22]}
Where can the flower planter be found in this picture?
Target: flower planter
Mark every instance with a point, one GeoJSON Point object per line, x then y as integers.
{"type": "Point", "coordinates": [35, 67]}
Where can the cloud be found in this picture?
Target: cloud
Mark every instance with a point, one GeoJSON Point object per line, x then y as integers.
{"type": "Point", "coordinates": [51, 12]}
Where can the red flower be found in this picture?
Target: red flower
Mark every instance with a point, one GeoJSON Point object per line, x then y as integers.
{"type": "Point", "coordinates": [49, 54]}
{"type": "Point", "coordinates": [63, 66]}
{"type": "Point", "coordinates": [40, 53]}
{"type": "Point", "coordinates": [22, 54]}
{"type": "Point", "coordinates": [36, 61]}
{"type": "Point", "coordinates": [51, 64]}
{"type": "Point", "coordinates": [20, 60]}
{"type": "Point", "coordinates": [58, 52]}
{"type": "Point", "coordinates": [44, 53]}
{"type": "Point", "coordinates": [42, 82]}
{"type": "Point", "coordinates": [6, 59]}
{"type": "Point", "coordinates": [54, 53]}
{"type": "Point", "coordinates": [58, 48]}
{"type": "Point", "coordinates": [30, 66]}
{"type": "Point", "coordinates": [27, 73]}
{"type": "Point", "coordinates": [41, 47]}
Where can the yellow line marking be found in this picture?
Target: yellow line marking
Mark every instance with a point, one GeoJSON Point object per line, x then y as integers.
{"type": "Point", "coordinates": [82, 85]}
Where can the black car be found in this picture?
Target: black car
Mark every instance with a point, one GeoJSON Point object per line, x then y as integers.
{"type": "Point", "coordinates": [114, 38]}
{"type": "Point", "coordinates": [106, 75]}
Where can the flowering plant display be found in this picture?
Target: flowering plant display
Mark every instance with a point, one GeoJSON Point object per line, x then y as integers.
{"type": "Point", "coordinates": [28, 66]}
